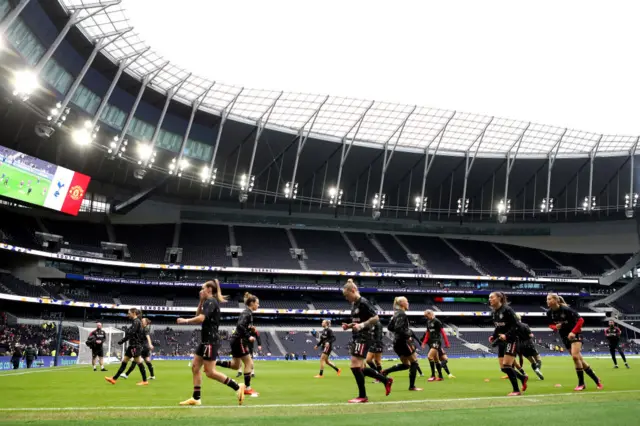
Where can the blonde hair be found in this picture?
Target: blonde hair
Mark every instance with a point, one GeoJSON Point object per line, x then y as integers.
{"type": "Point", "coordinates": [350, 285]}
{"type": "Point", "coordinates": [328, 322]}
{"type": "Point", "coordinates": [558, 299]}
{"type": "Point", "coordinates": [214, 285]}
{"type": "Point", "coordinates": [518, 317]}
{"type": "Point", "coordinates": [429, 312]}
{"type": "Point", "coordinates": [397, 302]}
{"type": "Point", "coordinates": [249, 298]}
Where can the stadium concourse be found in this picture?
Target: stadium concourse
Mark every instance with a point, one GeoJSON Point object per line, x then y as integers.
{"type": "Point", "coordinates": [128, 182]}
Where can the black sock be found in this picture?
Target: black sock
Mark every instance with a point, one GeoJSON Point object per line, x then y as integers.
{"type": "Point", "coordinates": [591, 374]}
{"type": "Point", "coordinates": [521, 359]}
{"type": "Point", "coordinates": [432, 364]}
{"type": "Point", "coordinates": [445, 366]}
{"type": "Point", "coordinates": [358, 374]}
{"type": "Point", "coordinates": [232, 384]}
{"type": "Point", "coordinates": [370, 372]}
{"type": "Point", "coordinates": [371, 364]}
{"type": "Point", "coordinates": [247, 380]}
{"type": "Point", "coordinates": [143, 372]}
{"type": "Point", "coordinates": [521, 371]}
{"type": "Point", "coordinates": [224, 364]}
{"type": "Point", "coordinates": [150, 366]}
{"type": "Point", "coordinates": [397, 367]}
{"type": "Point", "coordinates": [624, 358]}
{"type": "Point", "coordinates": [321, 372]}
{"type": "Point", "coordinates": [580, 373]}
{"type": "Point", "coordinates": [413, 371]}
{"type": "Point", "coordinates": [520, 374]}
{"type": "Point", "coordinates": [613, 356]}
{"type": "Point", "coordinates": [123, 366]}
{"type": "Point", "coordinates": [332, 366]}
{"type": "Point", "coordinates": [131, 368]}
{"type": "Point", "coordinates": [511, 373]}
{"type": "Point", "coordinates": [439, 368]}
{"type": "Point", "coordinates": [419, 370]}
{"type": "Point", "coordinates": [378, 368]}
{"type": "Point", "coordinates": [196, 392]}
{"type": "Point", "coordinates": [539, 364]}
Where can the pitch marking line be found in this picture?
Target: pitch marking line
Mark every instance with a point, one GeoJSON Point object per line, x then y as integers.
{"type": "Point", "coordinates": [328, 404]}
{"type": "Point", "coordinates": [42, 370]}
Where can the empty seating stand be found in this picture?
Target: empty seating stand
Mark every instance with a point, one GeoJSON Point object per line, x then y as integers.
{"type": "Point", "coordinates": [489, 259]}
{"type": "Point", "coordinates": [17, 229]}
{"type": "Point", "coordinates": [327, 250]}
{"type": "Point", "coordinates": [264, 248]}
{"type": "Point", "coordinates": [363, 244]}
{"type": "Point", "coordinates": [588, 264]}
{"type": "Point", "coordinates": [147, 243]}
{"type": "Point", "coordinates": [204, 244]}
{"type": "Point", "coordinates": [78, 233]}
{"type": "Point", "coordinates": [393, 249]}
{"type": "Point", "coordinates": [440, 258]}
{"type": "Point", "coordinates": [530, 256]}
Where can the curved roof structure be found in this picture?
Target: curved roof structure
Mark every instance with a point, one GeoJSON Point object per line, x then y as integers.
{"type": "Point", "coordinates": [335, 118]}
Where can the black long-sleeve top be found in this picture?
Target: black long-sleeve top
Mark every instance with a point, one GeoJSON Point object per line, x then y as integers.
{"type": "Point", "coordinates": [326, 336]}
{"type": "Point", "coordinates": [399, 325]}
{"type": "Point", "coordinates": [505, 322]}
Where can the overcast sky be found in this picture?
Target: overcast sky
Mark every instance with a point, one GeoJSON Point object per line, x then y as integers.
{"type": "Point", "coordinates": [568, 63]}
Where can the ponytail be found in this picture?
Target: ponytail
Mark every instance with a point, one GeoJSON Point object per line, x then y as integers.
{"type": "Point", "coordinates": [558, 299]}
{"type": "Point", "coordinates": [249, 298]}
{"type": "Point", "coordinates": [214, 285]}
{"type": "Point", "coordinates": [397, 302]}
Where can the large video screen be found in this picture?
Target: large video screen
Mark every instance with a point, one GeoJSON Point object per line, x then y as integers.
{"type": "Point", "coordinates": [38, 182]}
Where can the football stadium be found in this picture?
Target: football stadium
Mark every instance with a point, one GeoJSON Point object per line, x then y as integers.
{"type": "Point", "coordinates": [177, 249]}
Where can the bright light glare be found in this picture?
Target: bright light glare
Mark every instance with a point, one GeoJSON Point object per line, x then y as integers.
{"type": "Point", "coordinates": [144, 151]}
{"type": "Point", "coordinates": [24, 83]}
{"type": "Point", "coordinates": [332, 192]}
{"type": "Point", "coordinates": [184, 164]}
{"type": "Point", "coordinates": [81, 136]}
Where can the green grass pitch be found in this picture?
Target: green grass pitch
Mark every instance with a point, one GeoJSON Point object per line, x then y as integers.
{"type": "Point", "coordinates": [289, 395]}
{"type": "Point", "coordinates": [13, 190]}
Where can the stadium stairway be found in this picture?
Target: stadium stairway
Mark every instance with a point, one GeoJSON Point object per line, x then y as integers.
{"type": "Point", "coordinates": [465, 259]}
{"type": "Point", "coordinates": [515, 262]}
{"type": "Point", "coordinates": [365, 262]}
{"type": "Point", "coordinates": [277, 342]}
{"type": "Point", "coordinates": [617, 295]}
{"type": "Point", "coordinates": [378, 246]}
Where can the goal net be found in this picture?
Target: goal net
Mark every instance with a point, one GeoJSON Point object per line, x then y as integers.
{"type": "Point", "coordinates": [112, 351]}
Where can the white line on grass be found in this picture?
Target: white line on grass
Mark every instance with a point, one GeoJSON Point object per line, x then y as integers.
{"type": "Point", "coordinates": [326, 404]}
{"type": "Point", "coordinates": [42, 370]}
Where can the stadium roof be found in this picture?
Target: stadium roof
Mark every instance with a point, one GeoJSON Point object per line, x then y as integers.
{"type": "Point", "coordinates": [334, 118]}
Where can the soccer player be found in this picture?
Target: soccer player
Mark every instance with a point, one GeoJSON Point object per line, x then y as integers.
{"type": "Point", "coordinates": [433, 338]}
{"type": "Point", "coordinates": [568, 323]}
{"type": "Point", "coordinates": [374, 355]}
{"type": "Point", "coordinates": [15, 357]}
{"type": "Point", "coordinates": [363, 318]}
{"type": "Point", "coordinates": [95, 342]}
{"type": "Point", "coordinates": [326, 343]}
{"type": "Point", "coordinates": [613, 334]}
{"type": "Point", "coordinates": [256, 335]}
{"type": "Point", "coordinates": [147, 347]}
{"type": "Point", "coordinates": [135, 337]}
{"type": "Point", "coordinates": [21, 184]}
{"type": "Point", "coordinates": [240, 338]}
{"type": "Point", "coordinates": [417, 339]}
{"type": "Point", "coordinates": [527, 348]}
{"type": "Point", "coordinates": [506, 325]}
{"type": "Point", "coordinates": [29, 189]}
{"type": "Point", "coordinates": [208, 314]}
{"type": "Point", "coordinates": [403, 343]}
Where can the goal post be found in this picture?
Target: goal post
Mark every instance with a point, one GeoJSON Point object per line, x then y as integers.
{"type": "Point", "coordinates": [112, 351]}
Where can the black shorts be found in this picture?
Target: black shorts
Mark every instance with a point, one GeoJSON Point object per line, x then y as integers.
{"type": "Point", "coordinates": [375, 348]}
{"type": "Point", "coordinates": [207, 351]}
{"type": "Point", "coordinates": [404, 348]}
{"type": "Point", "coordinates": [99, 351]}
{"type": "Point", "coordinates": [507, 348]}
{"type": "Point", "coordinates": [146, 352]}
{"type": "Point", "coordinates": [568, 343]}
{"type": "Point", "coordinates": [327, 349]}
{"type": "Point", "coordinates": [437, 345]}
{"type": "Point", "coordinates": [239, 348]}
{"type": "Point", "coordinates": [528, 349]}
{"type": "Point", "coordinates": [133, 351]}
{"type": "Point", "coordinates": [614, 346]}
{"type": "Point", "coordinates": [359, 348]}
{"type": "Point", "coordinates": [441, 353]}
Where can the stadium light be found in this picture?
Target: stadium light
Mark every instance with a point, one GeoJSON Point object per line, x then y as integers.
{"type": "Point", "coordinates": [420, 205]}
{"type": "Point", "coordinates": [504, 208]}
{"type": "Point", "coordinates": [291, 191]}
{"type": "Point", "coordinates": [631, 201]}
{"type": "Point", "coordinates": [84, 135]}
{"type": "Point", "coordinates": [247, 182]}
{"type": "Point", "coordinates": [145, 152]}
{"type": "Point", "coordinates": [25, 82]}
{"type": "Point", "coordinates": [378, 201]}
{"type": "Point", "coordinates": [546, 206]}
{"type": "Point", "coordinates": [463, 206]}
{"type": "Point", "coordinates": [208, 177]}
{"type": "Point", "coordinates": [335, 196]}
{"type": "Point", "coordinates": [589, 205]}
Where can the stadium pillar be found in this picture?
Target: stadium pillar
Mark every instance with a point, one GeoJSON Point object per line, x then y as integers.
{"type": "Point", "coordinates": [632, 154]}
{"type": "Point", "coordinates": [261, 124]}
{"type": "Point", "coordinates": [345, 152]}
{"type": "Point", "coordinates": [124, 63]}
{"type": "Point", "coordinates": [302, 140]}
{"type": "Point", "coordinates": [101, 44]}
{"type": "Point", "coordinates": [123, 133]}
{"type": "Point", "coordinates": [552, 159]}
{"type": "Point", "coordinates": [386, 160]}
{"type": "Point", "coordinates": [592, 157]}
{"type": "Point", "coordinates": [223, 119]}
{"type": "Point", "coordinates": [170, 94]}
{"type": "Point", "coordinates": [194, 109]}
{"type": "Point", "coordinates": [469, 160]}
{"type": "Point", "coordinates": [12, 16]}
{"type": "Point", "coordinates": [58, 344]}
{"type": "Point", "coordinates": [510, 163]}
